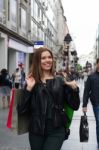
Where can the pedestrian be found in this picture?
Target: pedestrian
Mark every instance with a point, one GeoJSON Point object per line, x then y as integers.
{"type": "Point", "coordinates": [85, 77]}
{"type": "Point", "coordinates": [5, 87]}
{"type": "Point", "coordinates": [17, 78]}
{"type": "Point", "coordinates": [22, 77]}
{"type": "Point", "coordinates": [91, 91]}
{"type": "Point", "coordinates": [43, 99]}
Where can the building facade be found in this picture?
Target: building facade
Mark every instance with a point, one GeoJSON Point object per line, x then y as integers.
{"type": "Point", "coordinates": [62, 30]}
{"type": "Point", "coordinates": [97, 44]}
{"type": "Point", "coordinates": [15, 39]}
{"type": "Point", "coordinates": [24, 24]}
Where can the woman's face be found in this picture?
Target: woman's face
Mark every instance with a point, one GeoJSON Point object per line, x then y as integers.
{"type": "Point", "coordinates": [46, 61]}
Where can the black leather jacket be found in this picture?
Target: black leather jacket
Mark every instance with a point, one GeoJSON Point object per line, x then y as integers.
{"type": "Point", "coordinates": [35, 102]}
{"type": "Point", "coordinates": [91, 89]}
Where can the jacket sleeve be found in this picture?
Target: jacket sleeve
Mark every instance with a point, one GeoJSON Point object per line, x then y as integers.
{"type": "Point", "coordinates": [24, 104]}
{"type": "Point", "coordinates": [87, 91]}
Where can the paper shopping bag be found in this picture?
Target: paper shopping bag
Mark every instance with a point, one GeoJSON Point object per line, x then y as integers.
{"type": "Point", "coordinates": [16, 122]}
{"type": "Point", "coordinates": [9, 118]}
{"type": "Point", "coordinates": [69, 113]}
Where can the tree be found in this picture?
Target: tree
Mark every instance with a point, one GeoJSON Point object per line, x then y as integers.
{"type": "Point", "coordinates": [79, 67]}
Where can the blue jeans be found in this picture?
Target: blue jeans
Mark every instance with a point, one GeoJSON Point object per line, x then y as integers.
{"type": "Point", "coordinates": [96, 113]}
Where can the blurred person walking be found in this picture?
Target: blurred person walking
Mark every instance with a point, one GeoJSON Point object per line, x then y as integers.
{"type": "Point", "coordinates": [5, 87]}
{"type": "Point", "coordinates": [22, 77]}
{"type": "Point", "coordinates": [17, 78]}
{"type": "Point", "coordinates": [92, 91]}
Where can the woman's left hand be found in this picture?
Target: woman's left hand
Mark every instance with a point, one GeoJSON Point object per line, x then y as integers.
{"type": "Point", "coordinates": [72, 84]}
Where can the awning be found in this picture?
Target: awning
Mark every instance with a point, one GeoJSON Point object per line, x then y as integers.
{"type": "Point", "coordinates": [20, 46]}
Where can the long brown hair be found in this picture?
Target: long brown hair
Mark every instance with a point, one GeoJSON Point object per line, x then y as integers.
{"type": "Point", "coordinates": [36, 70]}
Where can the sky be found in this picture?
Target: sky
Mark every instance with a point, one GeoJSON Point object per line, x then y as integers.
{"type": "Point", "coordinates": [82, 20]}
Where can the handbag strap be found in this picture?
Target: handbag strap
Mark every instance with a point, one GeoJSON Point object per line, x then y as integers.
{"type": "Point", "coordinates": [85, 114]}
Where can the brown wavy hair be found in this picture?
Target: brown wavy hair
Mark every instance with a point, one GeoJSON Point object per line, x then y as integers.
{"type": "Point", "coordinates": [36, 70]}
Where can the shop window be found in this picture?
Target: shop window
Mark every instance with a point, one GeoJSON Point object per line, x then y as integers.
{"type": "Point", "coordinates": [13, 12]}
{"type": "Point", "coordinates": [23, 20]}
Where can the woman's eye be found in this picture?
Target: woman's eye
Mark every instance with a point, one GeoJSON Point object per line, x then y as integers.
{"type": "Point", "coordinates": [50, 57]}
{"type": "Point", "coordinates": [47, 57]}
{"type": "Point", "coordinates": [43, 58]}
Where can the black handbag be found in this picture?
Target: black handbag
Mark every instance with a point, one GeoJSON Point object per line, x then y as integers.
{"type": "Point", "coordinates": [84, 129]}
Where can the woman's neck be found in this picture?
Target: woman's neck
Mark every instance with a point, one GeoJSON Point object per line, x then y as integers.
{"type": "Point", "coordinates": [46, 75]}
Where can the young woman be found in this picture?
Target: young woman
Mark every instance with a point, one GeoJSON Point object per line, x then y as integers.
{"type": "Point", "coordinates": [44, 99]}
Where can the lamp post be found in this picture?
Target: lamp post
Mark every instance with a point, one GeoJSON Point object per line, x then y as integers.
{"type": "Point", "coordinates": [67, 41]}
{"type": "Point", "coordinates": [75, 59]}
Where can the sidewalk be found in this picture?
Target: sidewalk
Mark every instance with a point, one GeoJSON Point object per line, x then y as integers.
{"type": "Point", "coordinates": [11, 141]}
{"type": "Point", "coordinates": [73, 143]}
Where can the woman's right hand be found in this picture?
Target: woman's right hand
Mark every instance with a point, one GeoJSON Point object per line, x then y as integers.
{"type": "Point", "coordinates": [84, 109]}
{"type": "Point", "coordinates": [30, 82]}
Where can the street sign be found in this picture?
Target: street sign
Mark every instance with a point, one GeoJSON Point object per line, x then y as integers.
{"type": "Point", "coordinates": [38, 42]}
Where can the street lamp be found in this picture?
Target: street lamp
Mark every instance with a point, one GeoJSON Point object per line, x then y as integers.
{"type": "Point", "coordinates": [74, 57]}
{"type": "Point", "coordinates": [67, 41]}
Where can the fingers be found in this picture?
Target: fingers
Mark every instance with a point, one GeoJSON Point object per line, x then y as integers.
{"type": "Point", "coordinates": [64, 74]}
{"type": "Point", "coordinates": [30, 80]}
{"type": "Point", "coordinates": [30, 83]}
{"type": "Point", "coordinates": [74, 84]}
{"type": "Point", "coordinates": [84, 109]}
{"type": "Point", "coordinates": [29, 76]}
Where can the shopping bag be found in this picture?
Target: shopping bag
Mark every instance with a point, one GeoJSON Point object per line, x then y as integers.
{"type": "Point", "coordinates": [18, 123]}
{"type": "Point", "coordinates": [69, 113]}
{"type": "Point", "coordinates": [9, 118]}
{"type": "Point", "coordinates": [69, 116]}
{"type": "Point", "coordinates": [84, 129]}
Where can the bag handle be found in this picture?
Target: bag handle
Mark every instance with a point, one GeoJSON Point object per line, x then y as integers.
{"type": "Point", "coordinates": [85, 114]}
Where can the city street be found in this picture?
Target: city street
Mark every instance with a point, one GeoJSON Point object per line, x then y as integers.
{"type": "Point", "coordinates": [11, 141]}
{"type": "Point", "coordinates": [38, 37]}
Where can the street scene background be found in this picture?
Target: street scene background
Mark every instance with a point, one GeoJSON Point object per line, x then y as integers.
{"type": "Point", "coordinates": [26, 25]}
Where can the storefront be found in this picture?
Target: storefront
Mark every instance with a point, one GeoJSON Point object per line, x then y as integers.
{"type": "Point", "coordinates": [18, 54]}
